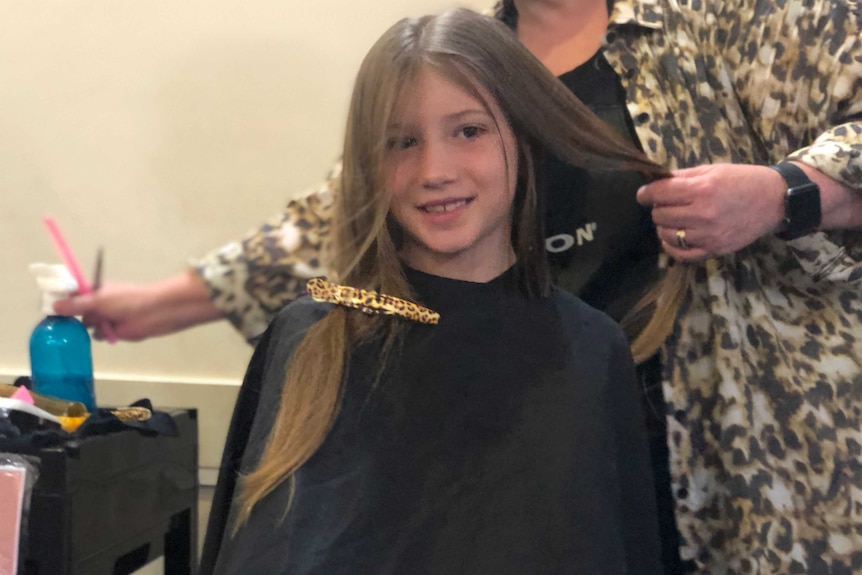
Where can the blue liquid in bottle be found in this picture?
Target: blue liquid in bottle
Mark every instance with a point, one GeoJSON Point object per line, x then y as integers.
{"type": "Point", "coordinates": [61, 362]}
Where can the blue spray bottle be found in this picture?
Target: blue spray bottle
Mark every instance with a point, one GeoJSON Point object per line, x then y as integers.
{"type": "Point", "coordinates": [61, 360]}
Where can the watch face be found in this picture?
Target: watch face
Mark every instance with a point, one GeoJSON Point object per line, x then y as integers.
{"type": "Point", "coordinates": [802, 205]}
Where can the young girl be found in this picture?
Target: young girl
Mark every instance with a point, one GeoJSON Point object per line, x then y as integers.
{"type": "Point", "coordinates": [444, 410]}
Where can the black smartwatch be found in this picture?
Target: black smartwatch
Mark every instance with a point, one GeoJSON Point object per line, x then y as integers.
{"type": "Point", "coordinates": [801, 203]}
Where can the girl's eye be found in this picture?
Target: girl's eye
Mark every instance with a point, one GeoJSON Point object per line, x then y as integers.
{"type": "Point", "coordinates": [400, 143]}
{"type": "Point", "coordinates": [471, 132]}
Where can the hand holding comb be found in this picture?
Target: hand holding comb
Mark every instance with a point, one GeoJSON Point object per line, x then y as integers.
{"type": "Point", "coordinates": [71, 263]}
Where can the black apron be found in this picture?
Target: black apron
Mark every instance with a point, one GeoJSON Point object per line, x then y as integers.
{"type": "Point", "coordinates": [602, 246]}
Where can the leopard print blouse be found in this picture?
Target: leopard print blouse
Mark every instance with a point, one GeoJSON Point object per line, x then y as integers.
{"type": "Point", "coordinates": [763, 372]}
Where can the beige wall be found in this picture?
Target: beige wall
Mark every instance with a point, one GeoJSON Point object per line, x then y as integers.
{"type": "Point", "coordinates": [159, 130]}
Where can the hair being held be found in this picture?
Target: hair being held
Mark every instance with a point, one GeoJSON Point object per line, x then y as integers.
{"type": "Point", "coordinates": [482, 56]}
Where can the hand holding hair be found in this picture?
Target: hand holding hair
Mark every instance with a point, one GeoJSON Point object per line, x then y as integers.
{"type": "Point", "coordinates": [715, 209]}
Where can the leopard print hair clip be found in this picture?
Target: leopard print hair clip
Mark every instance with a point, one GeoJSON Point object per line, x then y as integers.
{"type": "Point", "coordinates": [370, 302]}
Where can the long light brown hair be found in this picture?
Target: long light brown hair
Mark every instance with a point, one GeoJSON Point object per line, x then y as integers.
{"type": "Point", "coordinates": [482, 56]}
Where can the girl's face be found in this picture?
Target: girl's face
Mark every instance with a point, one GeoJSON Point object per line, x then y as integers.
{"type": "Point", "coordinates": [451, 170]}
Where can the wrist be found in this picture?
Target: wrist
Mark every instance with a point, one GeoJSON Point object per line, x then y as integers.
{"type": "Point", "coordinates": [173, 295]}
{"type": "Point", "coordinates": [195, 297]}
{"type": "Point", "coordinates": [802, 211]}
{"type": "Point", "coordinates": [775, 189]}
{"type": "Point", "coordinates": [177, 303]}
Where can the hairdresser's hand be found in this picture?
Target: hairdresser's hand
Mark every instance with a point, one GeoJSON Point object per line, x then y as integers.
{"type": "Point", "coordinates": [720, 208]}
{"type": "Point", "coordinates": [140, 311]}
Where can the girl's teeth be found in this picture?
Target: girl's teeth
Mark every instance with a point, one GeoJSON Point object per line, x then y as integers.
{"type": "Point", "coordinates": [445, 207]}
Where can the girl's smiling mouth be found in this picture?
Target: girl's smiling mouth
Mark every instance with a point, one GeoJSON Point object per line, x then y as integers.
{"type": "Point", "coordinates": [447, 205]}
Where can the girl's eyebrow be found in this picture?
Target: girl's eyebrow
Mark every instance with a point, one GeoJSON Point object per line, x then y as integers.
{"type": "Point", "coordinates": [450, 117]}
{"type": "Point", "coordinates": [467, 112]}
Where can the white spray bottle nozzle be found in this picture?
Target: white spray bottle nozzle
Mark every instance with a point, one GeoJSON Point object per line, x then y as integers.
{"type": "Point", "coordinates": [55, 282]}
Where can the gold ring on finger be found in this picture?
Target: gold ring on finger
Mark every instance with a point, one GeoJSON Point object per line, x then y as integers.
{"type": "Point", "coordinates": [680, 240]}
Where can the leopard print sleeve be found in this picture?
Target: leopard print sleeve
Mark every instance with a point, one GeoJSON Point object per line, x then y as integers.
{"type": "Point", "coordinates": [802, 90]}
{"type": "Point", "coordinates": [798, 73]}
{"type": "Point", "coordinates": [252, 279]}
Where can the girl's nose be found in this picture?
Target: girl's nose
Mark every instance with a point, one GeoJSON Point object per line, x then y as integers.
{"type": "Point", "coordinates": [437, 165]}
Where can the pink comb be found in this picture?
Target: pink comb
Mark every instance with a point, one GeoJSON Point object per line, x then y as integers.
{"type": "Point", "coordinates": [73, 267]}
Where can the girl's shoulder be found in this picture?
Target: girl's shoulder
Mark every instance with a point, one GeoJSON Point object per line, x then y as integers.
{"type": "Point", "coordinates": [290, 325]}
{"type": "Point", "coordinates": [299, 315]}
{"type": "Point", "coordinates": [572, 307]}
{"type": "Point", "coordinates": [584, 322]}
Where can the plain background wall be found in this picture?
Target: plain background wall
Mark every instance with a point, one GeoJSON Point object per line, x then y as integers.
{"type": "Point", "coordinates": [159, 130]}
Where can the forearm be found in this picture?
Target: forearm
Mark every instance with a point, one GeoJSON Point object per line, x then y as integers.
{"type": "Point", "coordinates": [140, 311]}
{"type": "Point", "coordinates": [179, 302]}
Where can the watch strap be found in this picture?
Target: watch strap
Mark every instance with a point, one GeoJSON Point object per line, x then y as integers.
{"type": "Point", "coordinates": [792, 174]}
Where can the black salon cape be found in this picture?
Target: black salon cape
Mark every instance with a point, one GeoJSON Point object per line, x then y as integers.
{"type": "Point", "coordinates": [508, 439]}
